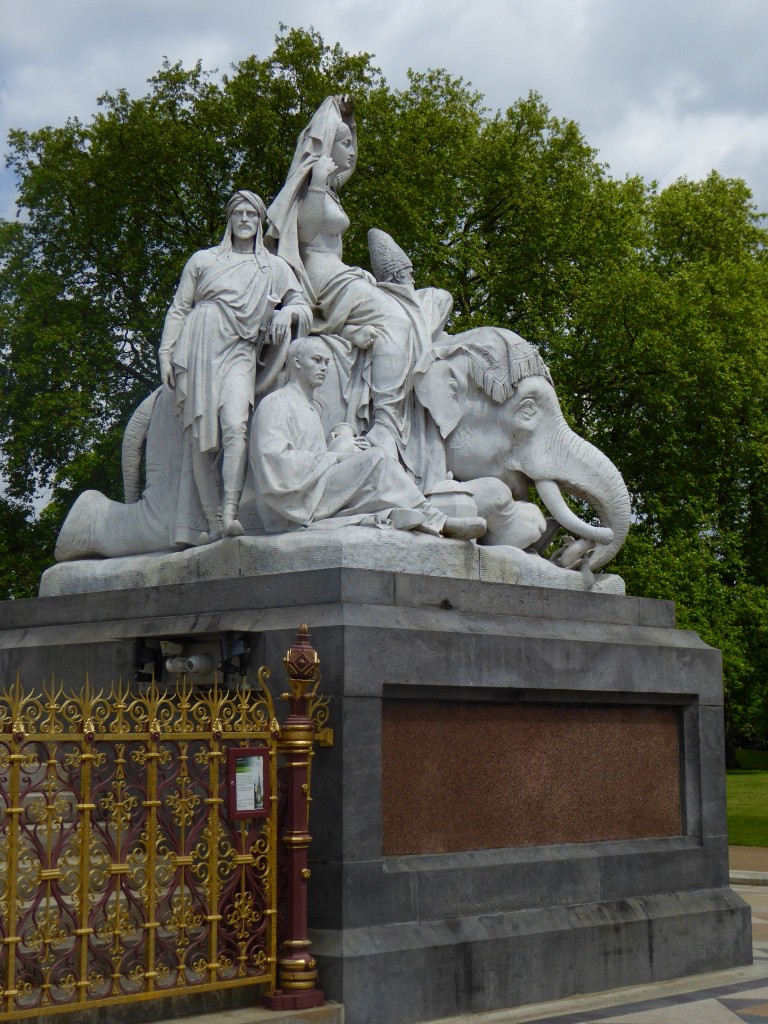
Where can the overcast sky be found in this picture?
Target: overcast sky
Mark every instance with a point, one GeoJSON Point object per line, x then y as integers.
{"type": "Point", "coordinates": [663, 88]}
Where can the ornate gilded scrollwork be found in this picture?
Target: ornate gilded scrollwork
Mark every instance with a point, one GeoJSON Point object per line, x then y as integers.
{"type": "Point", "coordinates": [120, 872]}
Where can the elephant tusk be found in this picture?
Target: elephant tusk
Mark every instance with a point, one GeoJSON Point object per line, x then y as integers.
{"type": "Point", "coordinates": [551, 495]}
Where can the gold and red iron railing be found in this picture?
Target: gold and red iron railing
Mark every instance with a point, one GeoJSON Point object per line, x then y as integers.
{"type": "Point", "coordinates": [139, 842]}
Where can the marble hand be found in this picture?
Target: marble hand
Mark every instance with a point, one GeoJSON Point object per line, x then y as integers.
{"type": "Point", "coordinates": [323, 170]}
{"type": "Point", "coordinates": [365, 338]}
{"type": "Point", "coordinates": [280, 327]}
{"type": "Point", "coordinates": [167, 376]}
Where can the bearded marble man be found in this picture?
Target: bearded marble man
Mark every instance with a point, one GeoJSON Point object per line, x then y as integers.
{"type": "Point", "coordinates": [232, 300]}
{"type": "Point", "coordinates": [301, 480]}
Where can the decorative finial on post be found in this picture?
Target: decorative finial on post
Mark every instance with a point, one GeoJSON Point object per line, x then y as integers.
{"type": "Point", "coordinates": [302, 664]}
{"type": "Point", "coordinates": [296, 966]}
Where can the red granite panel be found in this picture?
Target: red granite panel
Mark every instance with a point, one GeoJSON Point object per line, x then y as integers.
{"type": "Point", "coordinates": [461, 776]}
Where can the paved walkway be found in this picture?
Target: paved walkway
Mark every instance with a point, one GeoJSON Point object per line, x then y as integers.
{"type": "Point", "coordinates": [748, 864]}
{"type": "Point", "coordinates": [748, 858]}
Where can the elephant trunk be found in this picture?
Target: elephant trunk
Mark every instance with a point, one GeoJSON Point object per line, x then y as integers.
{"type": "Point", "coordinates": [576, 467]}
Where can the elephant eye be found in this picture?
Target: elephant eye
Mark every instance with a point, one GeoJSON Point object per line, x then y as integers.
{"type": "Point", "coordinates": [527, 408]}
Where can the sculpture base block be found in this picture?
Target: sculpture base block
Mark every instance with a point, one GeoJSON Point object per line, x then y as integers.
{"type": "Point", "coordinates": [321, 547]}
{"type": "Point", "coordinates": [525, 798]}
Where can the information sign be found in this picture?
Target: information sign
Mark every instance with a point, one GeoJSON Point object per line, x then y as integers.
{"type": "Point", "coordinates": [248, 782]}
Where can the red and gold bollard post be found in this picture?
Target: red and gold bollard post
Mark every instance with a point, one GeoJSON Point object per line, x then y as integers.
{"type": "Point", "coordinates": [297, 974]}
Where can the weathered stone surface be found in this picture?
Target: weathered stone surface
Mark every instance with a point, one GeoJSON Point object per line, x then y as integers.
{"type": "Point", "coordinates": [406, 938]}
{"type": "Point", "coordinates": [353, 547]}
{"type": "Point", "coordinates": [472, 964]}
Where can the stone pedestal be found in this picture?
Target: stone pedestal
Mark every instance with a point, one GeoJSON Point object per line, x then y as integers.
{"type": "Point", "coordinates": [525, 798]}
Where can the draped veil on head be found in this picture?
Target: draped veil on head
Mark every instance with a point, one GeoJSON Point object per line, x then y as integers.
{"type": "Point", "coordinates": [315, 141]}
{"type": "Point", "coordinates": [225, 246]}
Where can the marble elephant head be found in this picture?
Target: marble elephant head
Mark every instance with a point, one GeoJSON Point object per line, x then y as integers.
{"type": "Point", "coordinates": [493, 400]}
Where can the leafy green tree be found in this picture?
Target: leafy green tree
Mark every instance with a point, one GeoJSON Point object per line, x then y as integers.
{"type": "Point", "coordinates": [115, 208]}
{"type": "Point", "coordinates": [649, 304]}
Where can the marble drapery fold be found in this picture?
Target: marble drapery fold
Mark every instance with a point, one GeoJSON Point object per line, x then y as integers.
{"type": "Point", "coordinates": [298, 481]}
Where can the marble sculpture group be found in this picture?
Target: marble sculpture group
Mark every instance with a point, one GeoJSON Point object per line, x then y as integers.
{"type": "Point", "coordinates": [301, 393]}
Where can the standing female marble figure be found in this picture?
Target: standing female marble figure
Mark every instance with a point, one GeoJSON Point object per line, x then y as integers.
{"type": "Point", "coordinates": [306, 225]}
{"type": "Point", "coordinates": [224, 311]}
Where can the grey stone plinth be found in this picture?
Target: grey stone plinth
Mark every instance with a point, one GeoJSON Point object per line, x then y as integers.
{"type": "Point", "coordinates": [322, 546]}
{"type": "Point", "coordinates": [417, 937]}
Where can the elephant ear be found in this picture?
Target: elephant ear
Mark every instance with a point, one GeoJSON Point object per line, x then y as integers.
{"type": "Point", "coordinates": [440, 380]}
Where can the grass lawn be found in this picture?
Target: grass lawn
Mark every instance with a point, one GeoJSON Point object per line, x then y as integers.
{"type": "Point", "coordinates": [747, 800]}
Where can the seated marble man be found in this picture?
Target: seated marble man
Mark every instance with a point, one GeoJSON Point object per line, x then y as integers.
{"type": "Point", "coordinates": [301, 480]}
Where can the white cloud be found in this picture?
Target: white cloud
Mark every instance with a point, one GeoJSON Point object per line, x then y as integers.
{"type": "Point", "coordinates": [660, 88]}
{"type": "Point", "coordinates": [692, 144]}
